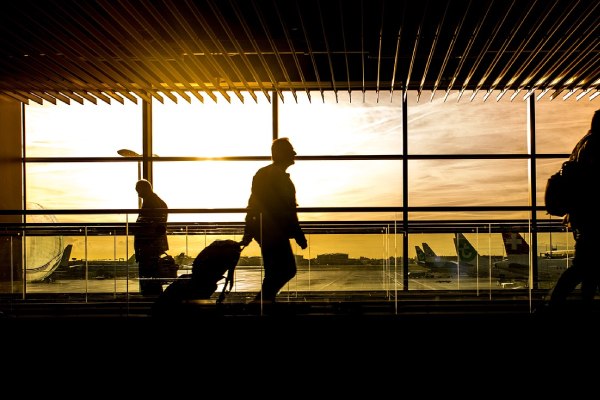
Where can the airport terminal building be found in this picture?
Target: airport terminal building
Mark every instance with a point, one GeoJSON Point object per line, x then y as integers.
{"type": "Point", "coordinates": [425, 134]}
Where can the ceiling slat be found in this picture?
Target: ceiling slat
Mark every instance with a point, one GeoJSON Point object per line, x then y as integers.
{"type": "Point", "coordinates": [327, 51]}
{"type": "Point", "coordinates": [562, 53]}
{"type": "Point", "coordinates": [478, 54]}
{"type": "Point", "coordinates": [271, 40]}
{"type": "Point", "coordinates": [310, 52]}
{"type": "Point", "coordinates": [17, 96]}
{"type": "Point", "coordinates": [74, 96]}
{"type": "Point", "coordinates": [432, 51]}
{"type": "Point", "coordinates": [76, 48]}
{"type": "Point", "coordinates": [169, 74]}
{"type": "Point", "coordinates": [128, 64]}
{"type": "Point", "coordinates": [290, 43]}
{"type": "Point", "coordinates": [482, 53]}
{"type": "Point", "coordinates": [449, 52]}
{"type": "Point", "coordinates": [60, 96]}
{"type": "Point", "coordinates": [533, 59]}
{"type": "Point", "coordinates": [413, 58]}
{"type": "Point", "coordinates": [249, 37]}
{"type": "Point", "coordinates": [45, 96]}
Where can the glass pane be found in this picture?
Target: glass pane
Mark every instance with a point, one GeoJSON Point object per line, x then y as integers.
{"type": "Point", "coordinates": [227, 184]}
{"type": "Point", "coordinates": [546, 167]}
{"type": "Point", "coordinates": [554, 257]}
{"type": "Point", "coordinates": [462, 127]}
{"type": "Point", "coordinates": [99, 185]}
{"type": "Point", "coordinates": [212, 129]}
{"type": "Point", "coordinates": [372, 125]}
{"type": "Point", "coordinates": [205, 184]}
{"type": "Point", "coordinates": [348, 183]}
{"type": "Point", "coordinates": [561, 123]}
{"type": "Point", "coordinates": [468, 183]}
{"type": "Point", "coordinates": [454, 261]}
{"type": "Point", "coordinates": [88, 130]}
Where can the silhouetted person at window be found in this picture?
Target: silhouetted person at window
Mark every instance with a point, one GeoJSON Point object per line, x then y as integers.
{"type": "Point", "coordinates": [272, 220]}
{"type": "Point", "coordinates": [584, 221]}
{"type": "Point", "coordinates": [150, 237]}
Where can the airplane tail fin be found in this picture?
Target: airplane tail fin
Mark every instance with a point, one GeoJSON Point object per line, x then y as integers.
{"type": "Point", "coordinates": [64, 260]}
{"type": "Point", "coordinates": [428, 251]}
{"type": "Point", "coordinates": [464, 248]}
{"type": "Point", "coordinates": [514, 243]}
{"type": "Point", "coordinates": [420, 255]}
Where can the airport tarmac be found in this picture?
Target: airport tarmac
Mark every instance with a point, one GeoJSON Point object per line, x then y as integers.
{"type": "Point", "coordinates": [319, 279]}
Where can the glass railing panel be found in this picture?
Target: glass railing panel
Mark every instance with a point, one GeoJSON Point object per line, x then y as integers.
{"type": "Point", "coordinates": [556, 249]}
{"type": "Point", "coordinates": [344, 259]}
{"type": "Point", "coordinates": [11, 261]}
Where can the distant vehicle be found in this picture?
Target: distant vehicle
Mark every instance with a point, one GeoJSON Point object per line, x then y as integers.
{"type": "Point", "coordinates": [420, 273]}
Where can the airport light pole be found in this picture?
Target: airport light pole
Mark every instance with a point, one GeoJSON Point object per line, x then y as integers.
{"type": "Point", "coordinates": [131, 153]}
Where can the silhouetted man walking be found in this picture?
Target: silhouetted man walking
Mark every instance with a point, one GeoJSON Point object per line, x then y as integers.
{"type": "Point", "coordinates": [272, 220]}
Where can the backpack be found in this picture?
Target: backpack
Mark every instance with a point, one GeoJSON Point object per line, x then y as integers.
{"type": "Point", "coordinates": [560, 195]}
{"type": "Point", "coordinates": [563, 192]}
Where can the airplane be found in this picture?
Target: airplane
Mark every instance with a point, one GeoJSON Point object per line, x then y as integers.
{"type": "Point", "coordinates": [420, 255]}
{"type": "Point", "coordinates": [469, 262]}
{"type": "Point", "coordinates": [419, 270]}
{"type": "Point", "coordinates": [466, 264]}
{"type": "Point", "coordinates": [43, 272]}
{"type": "Point", "coordinates": [516, 264]}
{"type": "Point", "coordinates": [559, 253]}
{"type": "Point", "coordinates": [96, 269]}
{"type": "Point", "coordinates": [428, 258]}
{"type": "Point", "coordinates": [469, 258]}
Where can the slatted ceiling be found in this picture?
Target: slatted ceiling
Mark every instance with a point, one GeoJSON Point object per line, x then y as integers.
{"type": "Point", "coordinates": [252, 67]}
{"type": "Point", "coordinates": [551, 56]}
{"type": "Point", "coordinates": [432, 51]}
{"type": "Point", "coordinates": [189, 46]}
{"type": "Point", "coordinates": [483, 53]}
{"type": "Point", "coordinates": [227, 71]}
{"type": "Point", "coordinates": [290, 44]}
{"type": "Point", "coordinates": [503, 52]}
{"type": "Point", "coordinates": [182, 49]}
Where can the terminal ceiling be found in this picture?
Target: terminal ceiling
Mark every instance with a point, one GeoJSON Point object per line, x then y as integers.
{"type": "Point", "coordinates": [107, 50]}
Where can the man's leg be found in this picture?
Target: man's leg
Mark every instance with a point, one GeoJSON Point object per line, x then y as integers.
{"type": "Point", "coordinates": [565, 285]}
{"type": "Point", "coordinates": [148, 268]}
{"type": "Point", "coordinates": [280, 267]}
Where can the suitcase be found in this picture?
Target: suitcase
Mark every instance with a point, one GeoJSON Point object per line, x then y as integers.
{"type": "Point", "coordinates": [215, 262]}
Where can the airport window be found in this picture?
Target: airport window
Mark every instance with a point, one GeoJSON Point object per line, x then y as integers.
{"type": "Point", "coordinates": [82, 130]}
{"type": "Point", "coordinates": [212, 129]}
{"type": "Point", "coordinates": [342, 125]}
{"type": "Point", "coordinates": [559, 123]}
{"type": "Point", "coordinates": [226, 184]}
{"type": "Point", "coordinates": [82, 185]}
{"type": "Point", "coordinates": [467, 182]}
{"type": "Point", "coordinates": [456, 125]}
{"type": "Point", "coordinates": [465, 153]}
